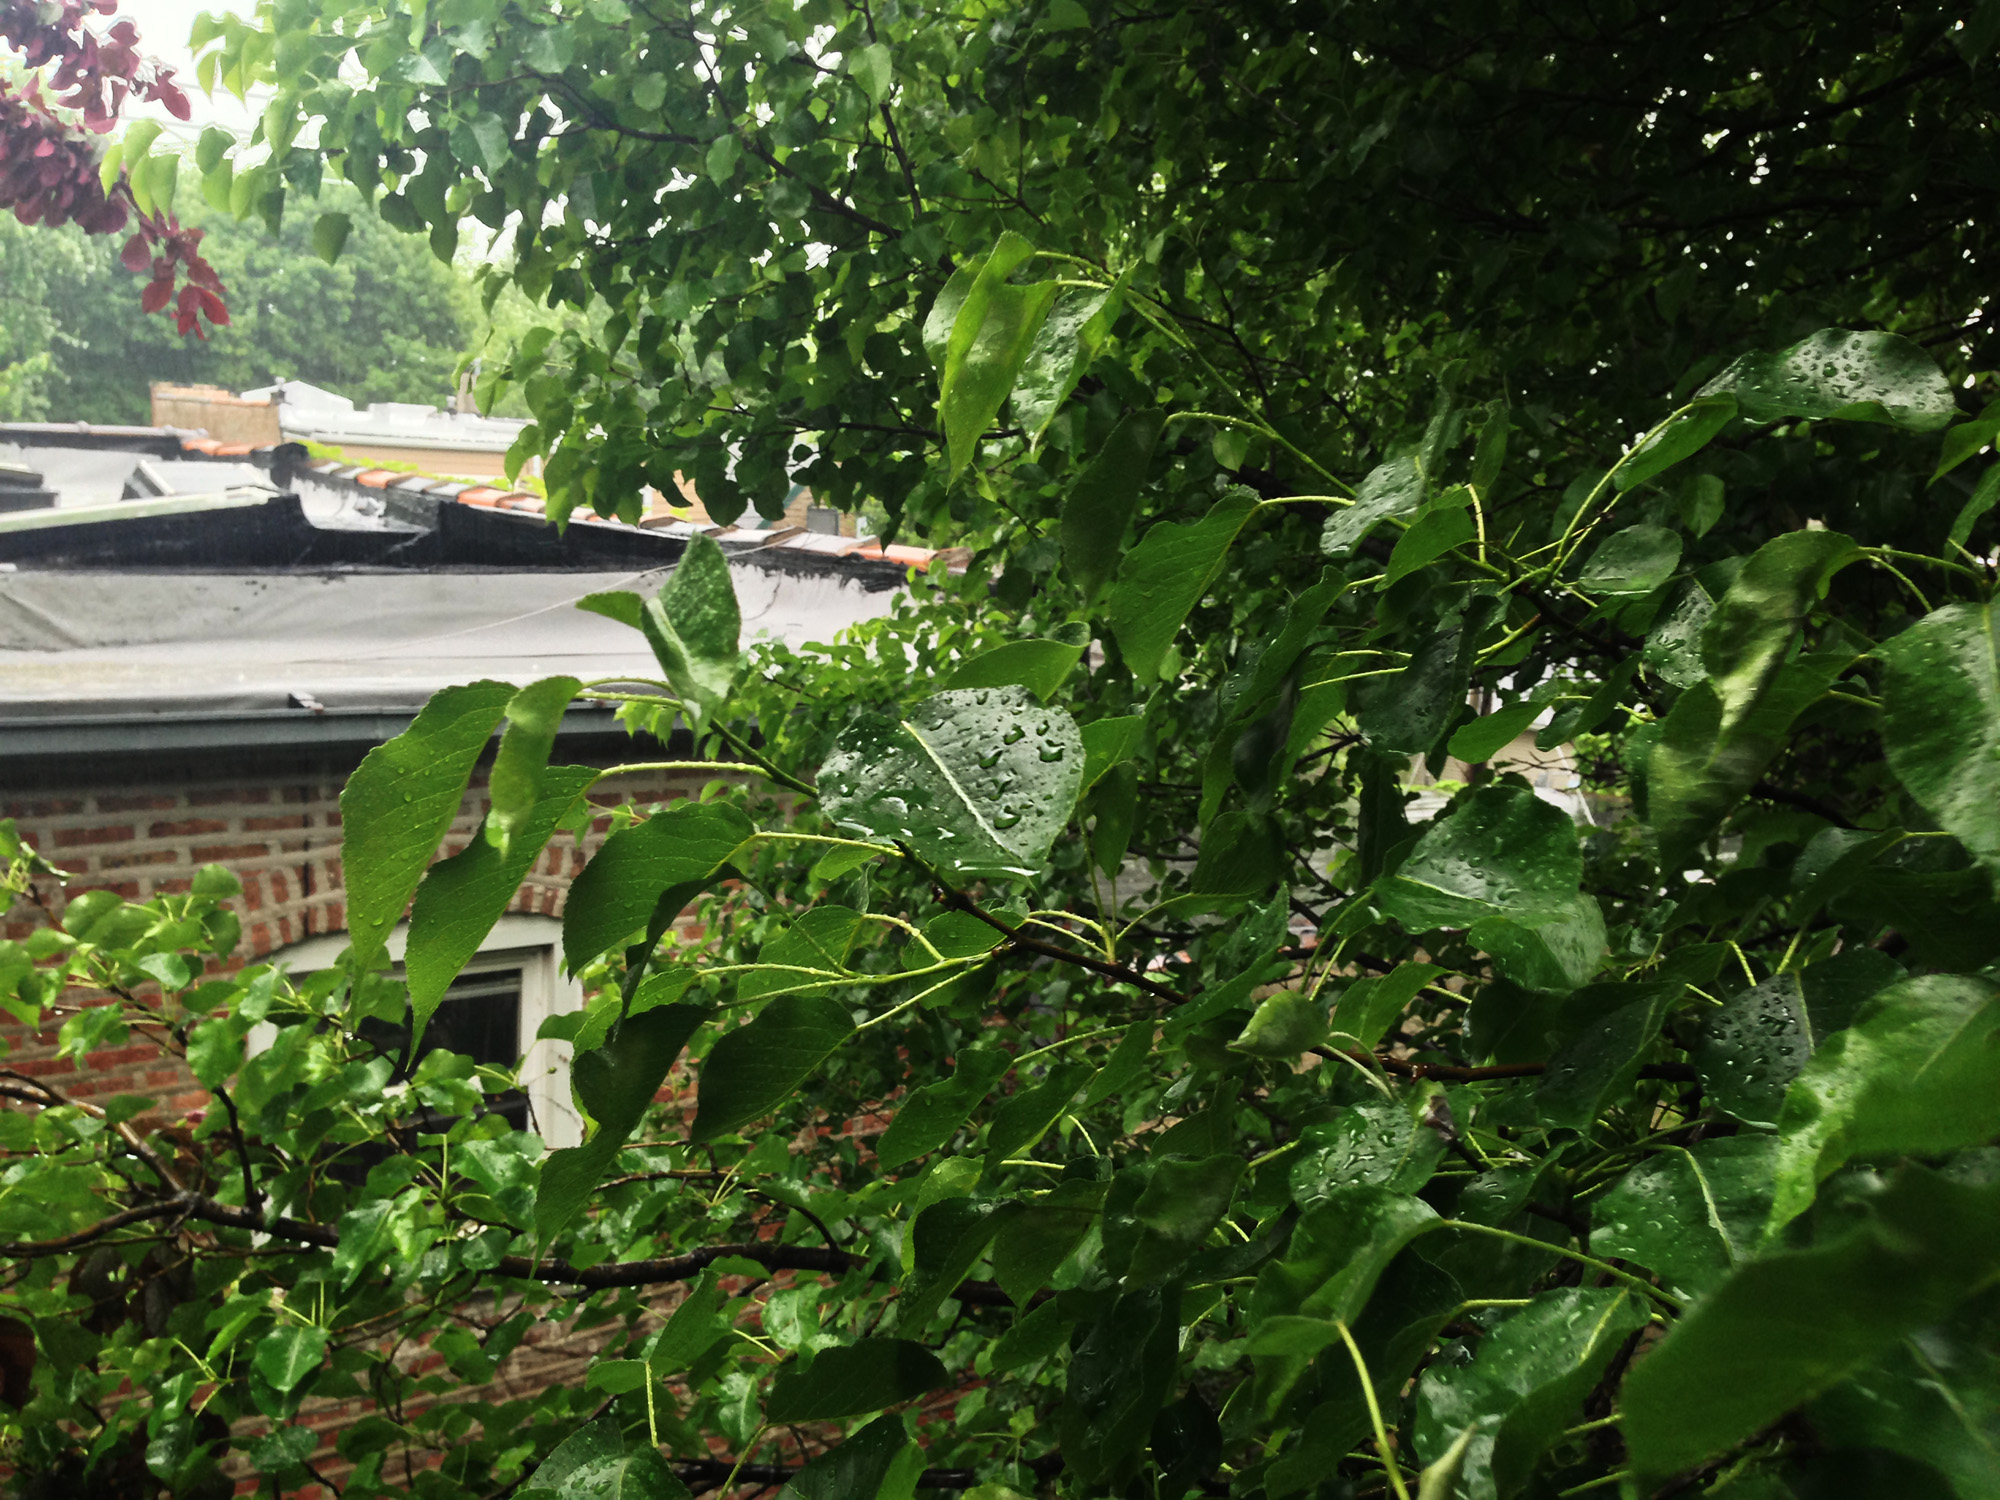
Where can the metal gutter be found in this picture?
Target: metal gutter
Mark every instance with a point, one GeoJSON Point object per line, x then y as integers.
{"type": "Point", "coordinates": [155, 733]}
{"type": "Point", "coordinates": [236, 498]}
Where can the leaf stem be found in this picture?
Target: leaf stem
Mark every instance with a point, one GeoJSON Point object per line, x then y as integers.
{"type": "Point", "coordinates": [1382, 1446]}
{"type": "Point", "coordinates": [1668, 1299]}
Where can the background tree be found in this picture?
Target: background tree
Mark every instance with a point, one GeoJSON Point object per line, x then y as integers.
{"type": "Point", "coordinates": [1333, 396]}
{"type": "Point", "coordinates": [386, 322]}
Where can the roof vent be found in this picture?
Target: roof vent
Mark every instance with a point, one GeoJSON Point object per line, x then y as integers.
{"type": "Point", "coordinates": [21, 488]}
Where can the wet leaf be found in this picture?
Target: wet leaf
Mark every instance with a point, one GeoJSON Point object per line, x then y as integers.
{"type": "Point", "coordinates": [752, 1070]}
{"type": "Point", "coordinates": [1164, 577]}
{"type": "Point", "coordinates": [978, 782]}
{"type": "Point", "coordinates": [1918, 1072]}
{"type": "Point", "coordinates": [1524, 1386]}
{"type": "Point", "coordinates": [1941, 721]}
{"type": "Point", "coordinates": [1691, 1214]}
{"type": "Point", "coordinates": [693, 625]}
{"type": "Point", "coordinates": [934, 1113]}
{"type": "Point", "coordinates": [1378, 1143]}
{"type": "Point", "coordinates": [1855, 377]}
{"type": "Point", "coordinates": [401, 801]}
{"type": "Point", "coordinates": [1935, 1397]}
{"type": "Point", "coordinates": [1038, 666]}
{"type": "Point", "coordinates": [616, 1084]}
{"type": "Point", "coordinates": [860, 1377]}
{"type": "Point", "coordinates": [1636, 560]}
{"type": "Point", "coordinates": [1393, 489]}
{"type": "Point", "coordinates": [683, 845]}
{"type": "Point", "coordinates": [1685, 434]}
{"type": "Point", "coordinates": [1752, 1049]}
{"type": "Point", "coordinates": [1502, 852]}
{"type": "Point", "coordinates": [1764, 1342]}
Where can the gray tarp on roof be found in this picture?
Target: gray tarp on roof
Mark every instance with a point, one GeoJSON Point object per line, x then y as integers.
{"type": "Point", "coordinates": [123, 643]}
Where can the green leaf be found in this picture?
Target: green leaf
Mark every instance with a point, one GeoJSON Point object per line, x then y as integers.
{"type": "Point", "coordinates": [1388, 1143]}
{"type": "Point", "coordinates": [1601, 1065]}
{"type": "Point", "coordinates": [1030, 1248]}
{"type": "Point", "coordinates": [1039, 666]}
{"type": "Point", "coordinates": [1283, 1027]}
{"type": "Point", "coordinates": [1444, 525]}
{"type": "Point", "coordinates": [1755, 624]}
{"type": "Point", "coordinates": [1524, 1386]}
{"type": "Point", "coordinates": [694, 627]}
{"type": "Point", "coordinates": [752, 1070]}
{"type": "Point", "coordinates": [1544, 951]}
{"type": "Point", "coordinates": [1701, 766]}
{"type": "Point", "coordinates": [933, 1114]}
{"type": "Point", "coordinates": [401, 801]}
{"type": "Point", "coordinates": [1673, 647]}
{"type": "Point", "coordinates": [1985, 495]}
{"type": "Point", "coordinates": [1027, 1117]}
{"type": "Point", "coordinates": [330, 233]}
{"type": "Point", "coordinates": [1164, 577]}
{"type": "Point", "coordinates": [1394, 489]}
{"type": "Point", "coordinates": [1966, 439]}
{"type": "Point", "coordinates": [1685, 434]}
{"type": "Point", "coordinates": [978, 782]}
{"type": "Point", "coordinates": [1855, 377]}
{"type": "Point", "coordinates": [686, 843]}
{"type": "Point", "coordinates": [991, 333]}
{"type": "Point", "coordinates": [1918, 1072]}
{"type": "Point", "coordinates": [1935, 1398]}
{"type": "Point", "coordinates": [462, 897]}
{"type": "Point", "coordinates": [864, 1376]}
{"type": "Point", "coordinates": [950, 1238]}
{"type": "Point", "coordinates": [1752, 1049]}
{"type": "Point", "coordinates": [1792, 1325]}
{"type": "Point", "coordinates": [855, 1467]}
{"type": "Point", "coordinates": [1636, 560]}
{"type": "Point", "coordinates": [815, 945]}
{"type": "Point", "coordinates": [586, 1446]}
{"type": "Point", "coordinates": [138, 140]}
{"type": "Point", "coordinates": [1403, 715]}
{"type": "Point", "coordinates": [1368, 1007]}
{"type": "Point", "coordinates": [720, 162]}
{"type": "Point", "coordinates": [533, 716]}
{"type": "Point", "coordinates": [693, 1329]}
{"type": "Point", "coordinates": [1101, 502]}
{"type": "Point", "coordinates": [1338, 1251]}
{"type": "Point", "coordinates": [616, 1084]}
{"type": "Point", "coordinates": [1941, 722]}
{"type": "Point", "coordinates": [214, 144]}
{"type": "Point", "coordinates": [1691, 1214]}
{"type": "Point", "coordinates": [1120, 1373]}
{"type": "Point", "coordinates": [1182, 1202]}
{"type": "Point", "coordinates": [1501, 852]}
{"type": "Point", "coordinates": [871, 67]}
{"type": "Point", "coordinates": [1484, 738]}
{"type": "Point", "coordinates": [1069, 340]}
{"type": "Point", "coordinates": [635, 1474]}
{"type": "Point", "coordinates": [289, 1353]}
{"type": "Point", "coordinates": [1106, 742]}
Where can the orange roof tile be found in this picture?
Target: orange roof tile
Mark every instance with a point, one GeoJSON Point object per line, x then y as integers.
{"type": "Point", "coordinates": [377, 479]}
{"type": "Point", "coordinates": [481, 496]}
{"type": "Point", "coordinates": [208, 445]}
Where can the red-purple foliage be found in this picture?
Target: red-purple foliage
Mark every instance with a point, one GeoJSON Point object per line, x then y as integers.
{"type": "Point", "coordinates": [51, 160]}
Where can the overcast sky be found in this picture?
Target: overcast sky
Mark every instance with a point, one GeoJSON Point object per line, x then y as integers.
{"type": "Point", "coordinates": [164, 28]}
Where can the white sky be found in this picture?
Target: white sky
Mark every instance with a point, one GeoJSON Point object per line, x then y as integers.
{"type": "Point", "coordinates": [164, 28]}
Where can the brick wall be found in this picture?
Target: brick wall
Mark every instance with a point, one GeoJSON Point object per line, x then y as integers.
{"type": "Point", "coordinates": [281, 838]}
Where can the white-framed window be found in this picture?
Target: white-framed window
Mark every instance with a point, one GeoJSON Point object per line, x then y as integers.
{"type": "Point", "coordinates": [491, 1012]}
